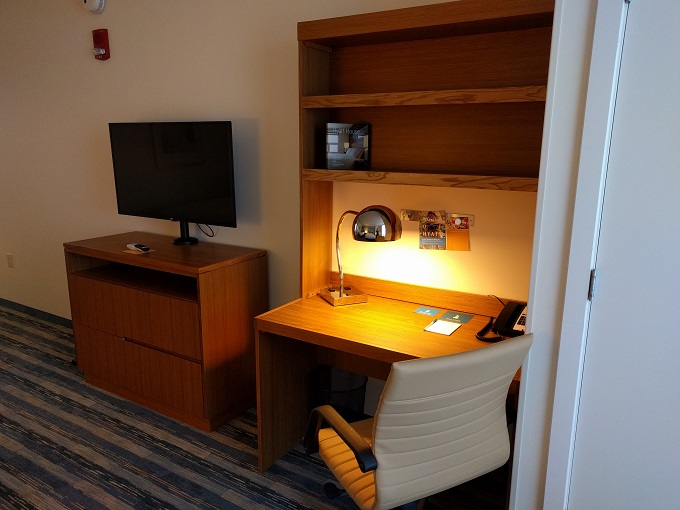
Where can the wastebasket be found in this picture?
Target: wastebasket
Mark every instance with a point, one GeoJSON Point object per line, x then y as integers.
{"type": "Point", "coordinates": [344, 390]}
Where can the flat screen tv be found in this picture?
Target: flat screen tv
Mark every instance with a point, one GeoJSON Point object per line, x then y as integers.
{"type": "Point", "coordinates": [180, 171]}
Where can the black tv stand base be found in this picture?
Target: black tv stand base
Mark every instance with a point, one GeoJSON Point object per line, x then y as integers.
{"type": "Point", "coordinates": [185, 240]}
{"type": "Point", "coordinates": [184, 237]}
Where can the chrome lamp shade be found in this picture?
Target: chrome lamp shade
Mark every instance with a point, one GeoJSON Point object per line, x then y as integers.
{"type": "Point", "coordinates": [373, 224]}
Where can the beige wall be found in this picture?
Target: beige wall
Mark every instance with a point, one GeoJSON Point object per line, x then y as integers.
{"type": "Point", "coordinates": [499, 260]}
{"type": "Point", "coordinates": [178, 60]}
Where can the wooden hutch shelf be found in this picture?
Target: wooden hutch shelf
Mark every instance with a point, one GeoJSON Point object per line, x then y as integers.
{"type": "Point", "coordinates": [442, 180]}
{"type": "Point", "coordinates": [428, 97]}
{"type": "Point", "coordinates": [454, 93]}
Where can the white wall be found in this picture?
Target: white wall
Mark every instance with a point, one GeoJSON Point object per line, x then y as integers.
{"type": "Point", "coordinates": [180, 60]}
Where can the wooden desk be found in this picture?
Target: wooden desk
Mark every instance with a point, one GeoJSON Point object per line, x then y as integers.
{"type": "Point", "coordinates": [295, 339]}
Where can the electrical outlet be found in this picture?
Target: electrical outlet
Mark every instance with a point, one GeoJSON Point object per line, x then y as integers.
{"type": "Point", "coordinates": [10, 260]}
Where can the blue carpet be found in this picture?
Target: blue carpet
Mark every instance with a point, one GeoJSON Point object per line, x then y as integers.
{"type": "Point", "coordinates": [65, 444]}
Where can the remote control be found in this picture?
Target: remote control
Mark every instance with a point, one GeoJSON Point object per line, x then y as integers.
{"type": "Point", "coordinates": [138, 247]}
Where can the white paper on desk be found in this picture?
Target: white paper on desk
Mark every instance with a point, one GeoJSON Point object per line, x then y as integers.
{"type": "Point", "coordinates": [442, 327]}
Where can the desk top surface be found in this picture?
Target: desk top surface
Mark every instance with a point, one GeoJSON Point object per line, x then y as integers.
{"type": "Point", "coordinates": [383, 329]}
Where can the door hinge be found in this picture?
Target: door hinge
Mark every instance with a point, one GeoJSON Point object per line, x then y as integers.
{"type": "Point", "coordinates": [591, 284]}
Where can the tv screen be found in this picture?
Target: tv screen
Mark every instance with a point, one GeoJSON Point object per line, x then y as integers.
{"type": "Point", "coordinates": [180, 171]}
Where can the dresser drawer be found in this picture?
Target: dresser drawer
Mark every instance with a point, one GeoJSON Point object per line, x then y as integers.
{"type": "Point", "coordinates": [150, 374]}
{"type": "Point", "coordinates": [166, 322]}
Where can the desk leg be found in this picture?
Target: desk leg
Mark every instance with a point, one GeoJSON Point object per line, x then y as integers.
{"type": "Point", "coordinates": [283, 395]}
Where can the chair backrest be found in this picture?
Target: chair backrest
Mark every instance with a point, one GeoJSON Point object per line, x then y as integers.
{"type": "Point", "coordinates": [441, 421]}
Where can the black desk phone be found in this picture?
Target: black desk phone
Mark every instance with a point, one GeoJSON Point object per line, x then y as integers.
{"type": "Point", "coordinates": [510, 323]}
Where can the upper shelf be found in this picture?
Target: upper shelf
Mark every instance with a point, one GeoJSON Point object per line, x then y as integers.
{"type": "Point", "coordinates": [428, 22]}
{"type": "Point", "coordinates": [429, 97]}
{"type": "Point", "coordinates": [501, 183]}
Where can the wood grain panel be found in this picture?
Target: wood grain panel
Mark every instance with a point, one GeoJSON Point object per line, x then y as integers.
{"type": "Point", "coordinates": [428, 21]}
{"type": "Point", "coordinates": [496, 59]}
{"type": "Point", "coordinates": [76, 262]}
{"type": "Point", "coordinates": [316, 223]}
{"type": "Point", "coordinates": [383, 329]}
{"type": "Point", "coordinates": [367, 338]}
{"type": "Point", "coordinates": [314, 66]}
{"type": "Point", "coordinates": [150, 374]}
{"type": "Point", "coordinates": [171, 329]}
{"type": "Point", "coordinates": [313, 136]}
{"type": "Point", "coordinates": [99, 305]}
{"type": "Point", "coordinates": [454, 92]}
{"type": "Point", "coordinates": [233, 296]}
{"type": "Point", "coordinates": [499, 139]}
{"type": "Point", "coordinates": [428, 97]}
{"type": "Point", "coordinates": [284, 395]}
{"type": "Point", "coordinates": [169, 324]}
{"type": "Point", "coordinates": [187, 260]}
{"type": "Point", "coordinates": [439, 298]}
{"type": "Point", "coordinates": [148, 280]}
{"type": "Point", "coordinates": [489, 182]}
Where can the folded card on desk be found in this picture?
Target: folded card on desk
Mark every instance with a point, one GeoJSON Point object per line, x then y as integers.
{"type": "Point", "coordinates": [462, 318]}
{"type": "Point", "coordinates": [442, 327]}
{"type": "Point", "coordinates": [426, 310]}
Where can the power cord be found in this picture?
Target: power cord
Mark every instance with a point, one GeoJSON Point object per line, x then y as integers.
{"type": "Point", "coordinates": [212, 232]}
{"type": "Point", "coordinates": [482, 332]}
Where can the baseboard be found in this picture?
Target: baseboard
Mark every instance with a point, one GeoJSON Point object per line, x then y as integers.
{"type": "Point", "coordinates": [34, 312]}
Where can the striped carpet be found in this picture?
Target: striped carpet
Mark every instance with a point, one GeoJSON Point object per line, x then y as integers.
{"type": "Point", "coordinates": [65, 444]}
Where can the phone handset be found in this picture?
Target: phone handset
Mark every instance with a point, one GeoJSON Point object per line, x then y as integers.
{"type": "Point", "coordinates": [511, 322]}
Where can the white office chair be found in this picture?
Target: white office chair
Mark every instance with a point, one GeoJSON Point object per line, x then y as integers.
{"type": "Point", "coordinates": [440, 422]}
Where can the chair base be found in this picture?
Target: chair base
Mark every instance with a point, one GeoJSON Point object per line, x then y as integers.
{"type": "Point", "coordinates": [333, 490]}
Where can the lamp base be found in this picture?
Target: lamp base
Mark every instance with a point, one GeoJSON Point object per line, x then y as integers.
{"type": "Point", "coordinates": [350, 296]}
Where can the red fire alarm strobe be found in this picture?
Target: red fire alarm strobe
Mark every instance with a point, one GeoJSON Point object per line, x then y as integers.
{"type": "Point", "coordinates": [100, 39]}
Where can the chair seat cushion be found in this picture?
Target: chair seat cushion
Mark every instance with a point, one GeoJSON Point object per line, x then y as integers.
{"type": "Point", "coordinates": [340, 459]}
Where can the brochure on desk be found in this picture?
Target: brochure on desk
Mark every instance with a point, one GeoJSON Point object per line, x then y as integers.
{"type": "Point", "coordinates": [442, 327]}
{"type": "Point", "coordinates": [447, 323]}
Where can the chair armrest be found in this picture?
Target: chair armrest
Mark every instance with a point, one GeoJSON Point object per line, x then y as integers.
{"type": "Point", "coordinates": [361, 449]}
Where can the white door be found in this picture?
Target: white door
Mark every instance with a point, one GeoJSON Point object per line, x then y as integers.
{"type": "Point", "coordinates": [627, 442]}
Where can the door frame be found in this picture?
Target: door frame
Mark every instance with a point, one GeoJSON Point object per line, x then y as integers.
{"type": "Point", "coordinates": [608, 39]}
{"type": "Point", "coordinates": [587, 40]}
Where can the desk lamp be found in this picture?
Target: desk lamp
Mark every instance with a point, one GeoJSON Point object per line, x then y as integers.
{"type": "Point", "coordinates": [374, 224]}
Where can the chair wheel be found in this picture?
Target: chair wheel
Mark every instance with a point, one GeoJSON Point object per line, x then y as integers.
{"type": "Point", "coordinates": [332, 491]}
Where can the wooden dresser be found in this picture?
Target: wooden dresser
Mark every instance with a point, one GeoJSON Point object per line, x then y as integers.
{"type": "Point", "coordinates": [171, 329]}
